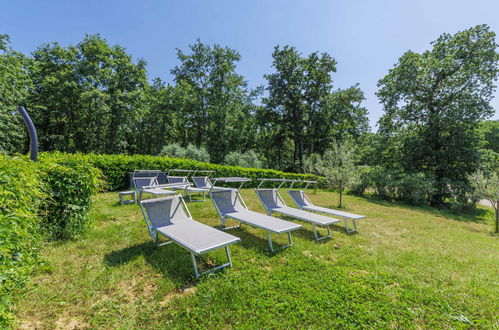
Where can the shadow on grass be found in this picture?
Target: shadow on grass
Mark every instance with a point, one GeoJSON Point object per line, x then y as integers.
{"type": "Point", "coordinates": [475, 215]}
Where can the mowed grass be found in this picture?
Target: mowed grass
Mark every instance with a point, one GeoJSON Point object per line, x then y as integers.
{"type": "Point", "coordinates": [408, 267]}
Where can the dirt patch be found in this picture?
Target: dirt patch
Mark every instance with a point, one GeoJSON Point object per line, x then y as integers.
{"type": "Point", "coordinates": [70, 323]}
{"type": "Point", "coordinates": [177, 294]}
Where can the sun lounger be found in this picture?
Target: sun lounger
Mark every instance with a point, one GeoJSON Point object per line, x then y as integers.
{"type": "Point", "coordinates": [303, 202]}
{"type": "Point", "coordinates": [149, 185]}
{"type": "Point", "coordinates": [185, 185]}
{"type": "Point", "coordinates": [273, 202]}
{"type": "Point", "coordinates": [170, 217]}
{"type": "Point", "coordinates": [229, 204]}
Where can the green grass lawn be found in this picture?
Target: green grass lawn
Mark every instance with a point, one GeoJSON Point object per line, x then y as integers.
{"type": "Point", "coordinates": [407, 267]}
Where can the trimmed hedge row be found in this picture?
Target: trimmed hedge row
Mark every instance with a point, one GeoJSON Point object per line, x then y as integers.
{"type": "Point", "coordinates": [21, 195]}
{"type": "Point", "coordinates": [39, 200]}
{"type": "Point", "coordinates": [115, 168]}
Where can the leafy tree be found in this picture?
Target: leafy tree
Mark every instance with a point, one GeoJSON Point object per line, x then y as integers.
{"type": "Point", "coordinates": [191, 152]}
{"type": "Point", "coordinates": [487, 187]}
{"type": "Point", "coordinates": [302, 112]}
{"type": "Point", "coordinates": [435, 101]}
{"type": "Point", "coordinates": [337, 165]}
{"type": "Point", "coordinates": [87, 97]}
{"type": "Point", "coordinates": [14, 83]}
{"type": "Point", "coordinates": [244, 159]}
{"type": "Point", "coordinates": [215, 105]}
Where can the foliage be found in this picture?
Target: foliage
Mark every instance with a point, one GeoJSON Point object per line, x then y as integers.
{"type": "Point", "coordinates": [14, 82]}
{"type": "Point", "coordinates": [21, 194]}
{"type": "Point", "coordinates": [337, 165]}
{"type": "Point", "coordinates": [243, 159]}
{"type": "Point", "coordinates": [302, 114]}
{"type": "Point", "coordinates": [486, 186]}
{"type": "Point", "coordinates": [115, 168]}
{"type": "Point", "coordinates": [70, 190]}
{"type": "Point", "coordinates": [87, 97]}
{"type": "Point", "coordinates": [215, 106]}
{"type": "Point", "coordinates": [191, 152]}
{"type": "Point", "coordinates": [363, 180]}
{"type": "Point", "coordinates": [434, 101]}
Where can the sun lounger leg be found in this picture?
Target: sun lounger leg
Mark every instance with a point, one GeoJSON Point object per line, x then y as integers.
{"type": "Point", "coordinates": [194, 265]}
{"type": "Point", "coordinates": [317, 238]}
{"type": "Point", "coordinates": [290, 239]}
{"type": "Point", "coordinates": [347, 229]}
{"type": "Point", "coordinates": [228, 256]}
{"type": "Point", "coordinates": [270, 242]}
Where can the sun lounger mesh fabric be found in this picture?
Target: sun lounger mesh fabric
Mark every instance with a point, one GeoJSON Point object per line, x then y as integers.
{"type": "Point", "coordinates": [201, 182]}
{"type": "Point", "coordinates": [177, 179]}
{"type": "Point", "coordinates": [299, 197]}
{"type": "Point", "coordinates": [162, 212]}
{"type": "Point", "coordinates": [269, 198]}
{"type": "Point", "coordinates": [227, 201]}
{"type": "Point", "coordinates": [143, 182]}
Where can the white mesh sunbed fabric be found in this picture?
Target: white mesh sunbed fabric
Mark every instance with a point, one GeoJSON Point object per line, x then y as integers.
{"type": "Point", "coordinates": [272, 203]}
{"type": "Point", "coordinates": [168, 217]}
{"type": "Point", "coordinates": [229, 206]}
{"type": "Point", "coordinates": [203, 182]}
{"type": "Point", "coordinates": [149, 182]}
{"type": "Point", "coordinates": [302, 201]}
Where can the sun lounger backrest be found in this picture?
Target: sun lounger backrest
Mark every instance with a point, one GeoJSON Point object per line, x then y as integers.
{"type": "Point", "coordinates": [177, 179]}
{"type": "Point", "coordinates": [146, 181]}
{"type": "Point", "coordinates": [270, 198]}
{"type": "Point", "coordinates": [164, 211]}
{"type": "Point", "coordinates": [227, 201]}
{"type": "Point", "coordinates": [202, 182]}
{"type": "Point", "coordinates": [299, 197]}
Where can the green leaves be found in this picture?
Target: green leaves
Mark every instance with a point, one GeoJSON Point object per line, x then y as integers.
{"type": "Point", "coordinates": [434, 101]}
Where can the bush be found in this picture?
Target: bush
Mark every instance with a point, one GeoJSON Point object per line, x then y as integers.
{"type": "Point", "coordinates": [21, 194]}
{"type": "Point", "coordinates": [191, 152]}
{"type": "Point", "coordinates": [363, 180]}
{"type": "Point", "coordinates": [244, 159]}
{"type": "Point", "coordinates": [70, 190]}
{"type": "Point", "coordinates": [35, 198]}
{"type": "Point", "coordinates": [115, 168]}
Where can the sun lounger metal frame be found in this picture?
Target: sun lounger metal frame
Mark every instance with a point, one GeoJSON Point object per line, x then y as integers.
{"type": "Point", "coordinates": [293, 212]}
{"type": "Point", "coordinates": [307, 205]}
{"type": "Point", "coordinates": [155, 231]}
{"type": "Point", "coordinates": [188, 188]}
{"type": "Point", "coordinates": [239, 203]}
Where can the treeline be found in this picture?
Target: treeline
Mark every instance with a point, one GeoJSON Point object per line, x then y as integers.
{"type": "Point", "coordinates": [93, 97]}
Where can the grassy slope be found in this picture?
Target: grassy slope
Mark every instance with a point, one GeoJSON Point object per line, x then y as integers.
{"type": "Point", "coordinates": [407, 267]}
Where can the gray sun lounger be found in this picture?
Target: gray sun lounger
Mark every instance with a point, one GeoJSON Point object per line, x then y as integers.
{"type": "Point", "coordinates": [273, 202]}
{"type": "Point", "coordinates": [303, 202]}
{"type": "Point", "coordinates": [170, 217]}
{"type": "Point", "coordinates": [150, 185]}
{"type": "Point", "coordinates": [204, 182]}
{"type": "Point", "coordinates": [229, 204]}
{"type": "Point", "coordinates": [187, 187]}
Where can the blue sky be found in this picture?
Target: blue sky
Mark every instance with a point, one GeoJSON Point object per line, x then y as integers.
{"type": "Point", "coordinates": [365, 37]}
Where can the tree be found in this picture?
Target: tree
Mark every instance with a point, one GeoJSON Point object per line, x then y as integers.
{"type": "Point", "coordinates": [487, 187]}
{"type": "Point", "coordinates": [337, 165]}
{"type": "Point", "coordinates": [14, 84]}
{"type": "Point", "coordinates": [437, 99]}
{"type": "Point", "coordinates": [302, 114]}
{"type": "Point", "coordinates": [215, 104]}
{"type": "Point", "coordinates": [244, 159]}
{"type": "Point", "coordinates": [87, 97]}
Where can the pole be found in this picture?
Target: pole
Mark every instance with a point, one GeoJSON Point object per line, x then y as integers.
{"type": "Point", "coordinates": [33, 137]}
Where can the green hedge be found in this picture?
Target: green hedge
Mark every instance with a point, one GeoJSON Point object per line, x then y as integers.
{"type": "Point", "coordinates": [115, 168]}
{"type": "Point", "coordinates": [48, 199]}
{"type": "Point", "coordinates": [21, 195]}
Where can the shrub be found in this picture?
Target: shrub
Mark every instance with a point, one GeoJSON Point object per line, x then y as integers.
{"type": "Point", "coordinates": [115, 168]}
{"type": "Point", "coordinates": [244, 159]}
{"type": "Point", "coordinates": [21, 193]}
{"type": "Point", "coordinates": [70, 190]}
{"type": "Point", "coordinates": [191, 152]}
{"type": "Point", "coordinates": [363, 180]}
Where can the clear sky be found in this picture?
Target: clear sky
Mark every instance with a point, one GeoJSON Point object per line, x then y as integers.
{"type": "Point", "coordinates": [366, 37]}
